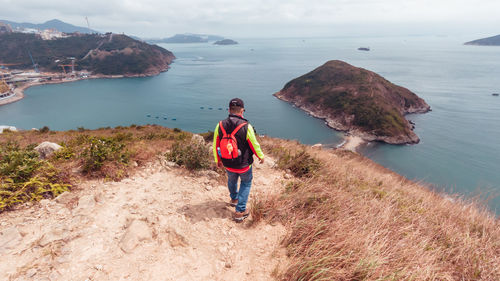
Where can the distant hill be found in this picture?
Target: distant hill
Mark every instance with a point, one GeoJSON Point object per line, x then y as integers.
{"type": "Point", "coordinates": [51, 24]}
{"type": "Point", "coordinates": [356, 100]}
{"type": "Point", "coordinates": [109, 54]}
{"type": "Point", "coordinates": [187, 38]}
{"type": "Point", "coordinates": [225, 42]}
{"type": "Point", "coordinates": [489, 41]}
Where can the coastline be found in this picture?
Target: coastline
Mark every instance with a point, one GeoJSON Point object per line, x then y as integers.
{"type": "Point", "coordinates": [19, 91]}
{"type": "Point", "coordinates": [352, 143]}
{"type": "Point", "coordinates": [337, 125]}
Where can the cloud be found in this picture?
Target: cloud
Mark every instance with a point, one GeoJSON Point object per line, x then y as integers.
{"type": "Point", "coordinates": [161, 18]}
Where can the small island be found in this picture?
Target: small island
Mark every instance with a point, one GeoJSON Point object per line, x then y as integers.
{"type": "Point", "coordinates": [489, 41]}
{"type": "Point", "coordinates": [357, 101]}
{"type": "Point", "coordinates": [225, 42]}
{"type": "Point", "coordinates": [187, 38]}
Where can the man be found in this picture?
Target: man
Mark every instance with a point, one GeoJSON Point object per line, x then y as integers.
{"type": "Point", "coordinates": [234, 146]}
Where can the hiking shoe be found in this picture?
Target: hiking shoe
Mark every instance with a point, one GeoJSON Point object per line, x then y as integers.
{"type": "Point", "coordinates": [240, 216]}
{"type": "Point", "coordinates": [233, 202]}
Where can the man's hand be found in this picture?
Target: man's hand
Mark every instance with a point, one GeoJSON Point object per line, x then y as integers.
{"type": "Point", "coordinates": [220, 165]}
{"type": "Point", "coordinates": [262, 161]}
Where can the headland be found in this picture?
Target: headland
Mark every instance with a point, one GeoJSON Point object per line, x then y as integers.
{"type": "Point", "coordinates": [356, 101]}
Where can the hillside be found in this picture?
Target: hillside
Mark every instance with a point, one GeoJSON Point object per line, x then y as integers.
{"type": "Point", "coordinates": [489, 41]}
{"type": "Point", "coordinates": [51, 24]}
{"type": "Point", "coordinates": [357, 101]}
{"type": "Point", "coordinates": [316, 214]}
{"type": "Point", "coordinates": [109, 54]}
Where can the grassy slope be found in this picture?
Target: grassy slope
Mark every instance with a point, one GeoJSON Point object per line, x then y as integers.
{"type": "Point", "coordinates": [15, 47]}
{"type": "Point", "coordinates": [355, 220]}
{"type": "Point", "coordinates": [347, 218]}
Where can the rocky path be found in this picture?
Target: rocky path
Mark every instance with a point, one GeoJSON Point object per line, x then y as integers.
{"type": "Point", "coordinates": [162, 224]}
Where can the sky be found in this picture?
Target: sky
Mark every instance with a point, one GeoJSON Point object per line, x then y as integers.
{"type": "Point", "coordinates": [266, 18]}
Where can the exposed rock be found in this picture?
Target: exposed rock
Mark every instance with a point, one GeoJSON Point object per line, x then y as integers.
{"type": "Point", "coordinates": [288, 176]}
{"type": "Point", "coordinates": [86, 203]}
{"type": "Point", "coordinates": [58, 232]}
{"type": "Point", "coordinates": [137, 232]}
{"type": "Point", "coordinates": [209, 173]}
{"type": "Point", "coordinates": [175, 239]}
{"type": "Point", "coordinates": [317, 146]}
{"type": "Point", "coordinates": [31, 272]}
{"type": "Point", "coordinates": [10, 128]}
{"type": "Point", "coordinates": [46, 149]}
{"type": "Point", "coordinates": [198, 139]}
{"type": "Point", "coordinates": [9, 239]}
{"type": "Point", "coordinates": [64, 198]}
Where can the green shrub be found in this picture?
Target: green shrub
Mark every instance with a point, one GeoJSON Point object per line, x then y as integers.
{"type": "Point", "coordinates": [44, 129]}
{"type": "Point", "coordinates": [102, 149]}
{"type": "Point", "coordinates": [18, 164]}
{"type": "Point", "coordinates": [24, 177]}
{"type": "Point", "coordinates": [193, 155]}
{"type": "Point", "coordinates": [65, 152]}
{"type": "Point", "coordinates": [300, 164]}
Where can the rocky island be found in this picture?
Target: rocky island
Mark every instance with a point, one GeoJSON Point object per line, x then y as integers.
{"type": "Point", "coordinates": [356, 101]}
{"type": "Point", "coordinates": [187, 38]}
{"type": "Point", "coordinates": [225, 42]}
{"type": "Point", "coordinates": [490, 41]}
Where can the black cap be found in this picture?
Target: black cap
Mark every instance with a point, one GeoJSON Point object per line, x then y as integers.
{"type": "Point", "coordinates": [236, 102]}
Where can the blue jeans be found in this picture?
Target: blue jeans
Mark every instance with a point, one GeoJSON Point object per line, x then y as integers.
{"type": "Point", "coordinates": [242, 194]}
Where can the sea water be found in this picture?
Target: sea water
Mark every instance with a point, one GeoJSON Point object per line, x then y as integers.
{"type": "Point", "coordinates": [459, 150]}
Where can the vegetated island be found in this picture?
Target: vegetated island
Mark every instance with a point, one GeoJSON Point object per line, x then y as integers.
{"type": "Point", "coordinates": [187, 38]}
{"type": "Point", "coordinates": [225, 42]}
{"type": "Point", "coordinates": [489, 41]}
{"type": "Point", "coordinates": [356, 101]}
{"type": "Point", "coordinates": [75, 56]}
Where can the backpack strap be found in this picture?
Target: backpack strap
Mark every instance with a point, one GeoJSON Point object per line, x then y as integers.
{"type": "Point", "coordinates": [238, 128]}
{"type": "Point", "coordinates": [222, 129]}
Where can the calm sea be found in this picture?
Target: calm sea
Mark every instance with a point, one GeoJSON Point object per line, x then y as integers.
{"type": "Point", "coordinates": [460, 138]}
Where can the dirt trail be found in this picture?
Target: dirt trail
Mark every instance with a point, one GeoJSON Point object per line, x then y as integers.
{"type": "Point", "coordinates": [162, 224]}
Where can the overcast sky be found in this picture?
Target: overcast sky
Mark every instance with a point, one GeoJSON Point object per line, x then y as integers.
{"type": "Point", "coordinates": [266, 18]}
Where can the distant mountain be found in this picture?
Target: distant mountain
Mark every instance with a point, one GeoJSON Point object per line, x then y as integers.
{"type": "Point", "coordinates": [490, 41]}
{"type": "Point", "coordinates": [54, 24]}
{"type": "Point", "coordinates": [187, 38]}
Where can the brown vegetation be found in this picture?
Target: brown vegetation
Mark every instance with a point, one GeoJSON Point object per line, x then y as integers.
{"type": "Point", "coordinates": [354, 220]}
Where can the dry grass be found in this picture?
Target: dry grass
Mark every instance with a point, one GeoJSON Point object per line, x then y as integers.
{"type": "Point", "coordinates": [354, 220]}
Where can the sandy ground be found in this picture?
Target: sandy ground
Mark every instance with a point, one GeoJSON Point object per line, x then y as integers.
{"type": "Point", "coordinates": [162, 224]}
{"type": "Point", "coordinates": [352, 143]}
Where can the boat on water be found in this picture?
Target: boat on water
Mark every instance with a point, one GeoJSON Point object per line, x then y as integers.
{"type": "Point", "coordinates": [364, 49]}
{"type": "Point", "coordinates": [495, 94]}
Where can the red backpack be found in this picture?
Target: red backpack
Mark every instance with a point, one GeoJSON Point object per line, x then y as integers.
{"type": "Point", "coordinates": [228, 143]}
